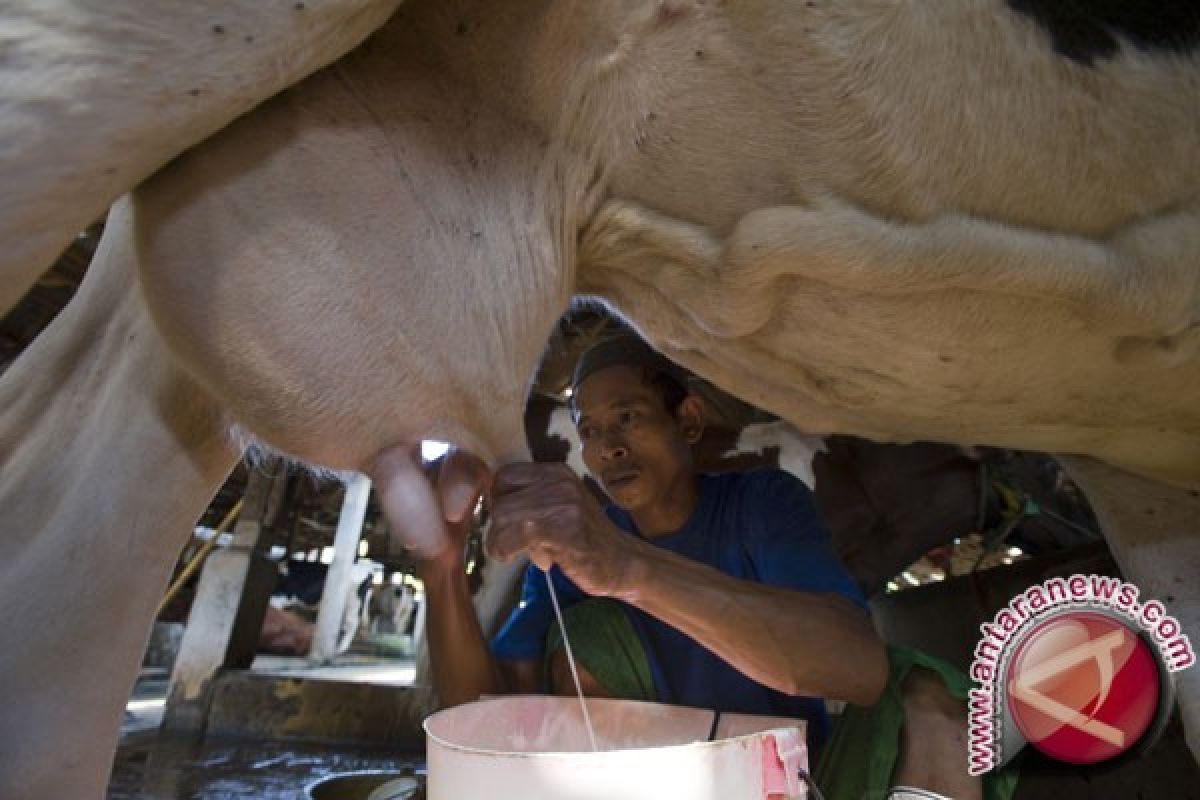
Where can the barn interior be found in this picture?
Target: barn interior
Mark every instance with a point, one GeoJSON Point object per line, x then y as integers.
{"type": "Point", "coordinates": [287, 657]}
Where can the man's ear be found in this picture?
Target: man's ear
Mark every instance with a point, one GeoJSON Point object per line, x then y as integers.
{"type": "Point", "coordinates": [690, 416]}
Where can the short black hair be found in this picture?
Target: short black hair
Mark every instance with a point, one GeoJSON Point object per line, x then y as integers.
{"type": "Point", "coordinates": [626, 349]}
{"type": "Point", "coordinates": [669, 389]}
{"type": "Point", "coordinates": [666, 386]}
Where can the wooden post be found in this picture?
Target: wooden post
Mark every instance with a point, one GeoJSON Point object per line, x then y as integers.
{"type": "Point", "coordinates": [340, 575]}
{"type": "Point", "coordinates": [224, 612]}
{"type": "Point", "coordinates": [261, 576]}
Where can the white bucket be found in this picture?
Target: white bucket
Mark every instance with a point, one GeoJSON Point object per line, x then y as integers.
{"type": "Point", "coordinates": [537, 748]}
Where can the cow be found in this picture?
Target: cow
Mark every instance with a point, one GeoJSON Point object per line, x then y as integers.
{"type": "Point", "coordinates": [298, 591]}
{"type": "Point", "coordinates": [958, 222]}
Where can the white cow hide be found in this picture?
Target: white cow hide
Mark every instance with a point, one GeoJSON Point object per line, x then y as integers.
{"type": "Point", "coordinates": [905, 221]}
{"type": "Point", "coordinates": [796, 450]}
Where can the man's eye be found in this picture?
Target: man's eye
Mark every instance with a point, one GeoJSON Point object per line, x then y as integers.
{"type": "Point", "coordinates": [627, 417]}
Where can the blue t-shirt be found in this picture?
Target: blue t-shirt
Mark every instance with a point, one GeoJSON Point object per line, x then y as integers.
{"type": "Point", "coordinates": [760, 526]}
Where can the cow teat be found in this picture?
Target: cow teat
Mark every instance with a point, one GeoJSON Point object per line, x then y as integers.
{"type": "Point", "coordinates": [418, 504]}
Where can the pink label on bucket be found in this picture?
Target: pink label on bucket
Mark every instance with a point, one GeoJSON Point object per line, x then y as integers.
{"type": "Point", "coordinates": [784, 753]}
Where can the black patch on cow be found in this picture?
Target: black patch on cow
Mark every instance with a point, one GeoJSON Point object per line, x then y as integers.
{"type": "Point", "coordinates": [1087, 30]}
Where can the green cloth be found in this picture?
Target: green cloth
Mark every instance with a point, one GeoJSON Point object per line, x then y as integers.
{"type": "Point", "coordinates": [604, 643]}
{"type": "Point", "coordinates": [858, 760]}
{"type": "Point", "coordinates": [864, 746]}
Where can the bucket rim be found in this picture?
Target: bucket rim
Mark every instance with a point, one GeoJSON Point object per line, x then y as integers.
{"type": "Point", "coordinates": [575, 754]}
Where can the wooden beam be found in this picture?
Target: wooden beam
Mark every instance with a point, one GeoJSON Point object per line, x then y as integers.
{"type": "Point", "coordinates": [338, 580]}
{"type": "Point", "coordinates": [220, 616]}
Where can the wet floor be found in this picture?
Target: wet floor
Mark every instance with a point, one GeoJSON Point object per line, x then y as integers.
{"type": "Point", "coordinates": [151, 766]}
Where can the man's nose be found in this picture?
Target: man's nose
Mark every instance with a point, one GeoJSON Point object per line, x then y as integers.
{"type": "Point", "coordinates": [613, 446]}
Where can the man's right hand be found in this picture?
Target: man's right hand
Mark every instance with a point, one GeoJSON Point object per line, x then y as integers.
{"type": "Point", "coordinates": [430, 512]}
{"type": "Point", "coordinates": [546, 511]}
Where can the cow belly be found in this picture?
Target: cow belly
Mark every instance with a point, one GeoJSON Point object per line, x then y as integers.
{"type": "Point", "coordinates": [818, 335]}
{"type": "Point", "coordinates": [341, 306]}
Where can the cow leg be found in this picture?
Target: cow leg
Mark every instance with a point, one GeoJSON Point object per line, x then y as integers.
{"type": "Point", "coordinates": [1137, 282]}
{"type": "Point", "coordinates": [933, 741]}
{"type": "Point", "coordinates": [108, 456]}
{"type": "Point", "coordinates": [97, 97]}
{"type": "Point", "coordinates": [1152, 530]}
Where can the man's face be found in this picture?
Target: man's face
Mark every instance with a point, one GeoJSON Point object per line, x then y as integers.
{"type": "Point", "coordinates": [636, 448]}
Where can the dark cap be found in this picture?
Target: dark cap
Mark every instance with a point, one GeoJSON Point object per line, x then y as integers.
{"type": "Point", "coordinates": [625, 349]}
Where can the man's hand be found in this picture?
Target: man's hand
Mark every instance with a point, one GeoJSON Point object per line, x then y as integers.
{"type": "Point", "coordinates": [546, 511]}
{"type": "Point", "coordinates": [430, 512]}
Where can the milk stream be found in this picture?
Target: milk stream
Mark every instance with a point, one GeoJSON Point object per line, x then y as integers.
{"type": "Point", "coordinates": [587, 720]}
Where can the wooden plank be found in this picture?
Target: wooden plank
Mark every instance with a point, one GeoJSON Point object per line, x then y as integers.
{"type": "Point", "coordinates": [335, 595]}
{"type": "Point", "coordinates": [213, 633]}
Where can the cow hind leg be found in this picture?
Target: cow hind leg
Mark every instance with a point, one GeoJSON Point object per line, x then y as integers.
{"type": "Point", "coordinates": [108, 455]}
{"type": "Point", "coordinates": [933, 741]}
{"type": "Point", "coordinates": [1152, 530]}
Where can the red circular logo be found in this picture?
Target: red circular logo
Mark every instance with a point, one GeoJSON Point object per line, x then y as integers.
{"type": "Point", "coordinates": [1083, 687]}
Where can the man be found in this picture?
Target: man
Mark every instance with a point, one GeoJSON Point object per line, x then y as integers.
{"type": "Point", "coordinates": [715, 591]}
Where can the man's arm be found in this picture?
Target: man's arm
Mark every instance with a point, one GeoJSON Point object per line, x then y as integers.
{"type": "Point", "coordinates": [463, 669]}
{"type": "Point", "coordinates": [463, 666]}
{"type": "Point", "coordinates": [799, 643]}
{"type": "Point", "coordinates": [436, 511]}
{"type": "Point", "coordinates": [796, 642]}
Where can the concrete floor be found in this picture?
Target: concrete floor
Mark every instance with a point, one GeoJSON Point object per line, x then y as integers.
{"type": "Point", "coordinates": [145, 708]}
{"type": "Point", "coordinates": [153, 766]}
{"type": "Point", "coordinates": [144, 711]}
{"type": "Point", "coordinates": [150, 766]}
